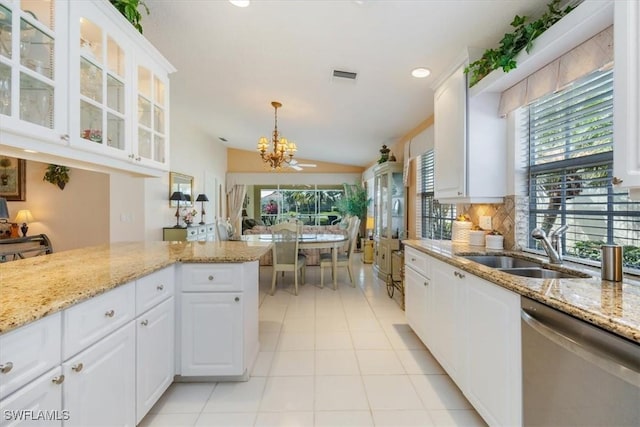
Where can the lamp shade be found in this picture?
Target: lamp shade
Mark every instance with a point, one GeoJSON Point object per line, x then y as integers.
{"type": "Point", "coordinates": [202, 198]}
{"type": "Point", "coordinates": [24, 216]}
{"type": "Point", "coordinates": [4, 208]}
{"type": "Point", "coordinates": [369, 223]}
{"type": "Point", "coordinates": [177, 195]}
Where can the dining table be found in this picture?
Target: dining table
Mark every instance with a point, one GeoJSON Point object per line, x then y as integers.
{"type": "Point", "coordinates": [311, 241]}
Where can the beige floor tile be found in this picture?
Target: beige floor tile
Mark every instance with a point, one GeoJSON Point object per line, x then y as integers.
{"type": "Point", "coordinates": [405, 418]}
{"type": "Point", "coordinates": [169, 420]}
{"type": "Point", "coordinates": [340, 393]}
{"type": "Point", "coordinates": [242, 419]}
{"type": "Point", "coordinates": [288, 394]}
{"type": "Point", "coordinates": [336, 362]}
{"type": "Point", "coordinates": [293, 363]}
{"type": "Point", "coordinates": [391, 392]}
{"type": "Point", "coordinates": [457, 417]}
{"type": "Point", "coordinates": [284, 419]}
{"type": "Point", "coordinates": [379, 362]}
{"type": "Point", "coordinates": [337, 340]}
{"type": "Point", "coordinates": [241, 396]}
{"type": "Point", "coordinates": [439, 392]}
{"type": "Point", "coordinates": [183, 398]}
{"type": "Point", "coordinates": [343, 419]}
{"type": "Point", "coordinates": [419, 362]}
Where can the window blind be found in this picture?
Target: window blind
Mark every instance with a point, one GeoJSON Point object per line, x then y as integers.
{"type": "Point", "coordinates": [435, 220]}
{"type": "Point", "coordinates": [571, 168]}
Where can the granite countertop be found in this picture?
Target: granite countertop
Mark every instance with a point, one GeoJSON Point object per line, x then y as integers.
{"type": "Point", "coordinates": [614, 306]}
{"type": "Point", "coordinates": [35, 287]}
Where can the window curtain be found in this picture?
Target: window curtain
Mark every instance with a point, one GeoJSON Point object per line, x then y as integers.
{"type": "Point", "coordinates": [235, 197]}
{"type": "Point", "coordinates": [594, 54]}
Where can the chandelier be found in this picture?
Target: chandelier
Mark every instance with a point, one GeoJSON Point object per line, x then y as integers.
{"type": "Point", "coordinates": [283, 150]}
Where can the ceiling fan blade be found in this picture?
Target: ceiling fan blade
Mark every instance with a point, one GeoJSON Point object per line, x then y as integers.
{"type": "Point", "coordinates": [307, 165]}
{"type": "Point", "coordinates": [295, 167]}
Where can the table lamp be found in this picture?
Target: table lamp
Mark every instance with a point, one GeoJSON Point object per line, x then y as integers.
{"type": "Point", "coordinates": [177, 196]}
{"type": "Point", "coordinates": [24, 216]}
{"type": "Point", "coordinates": [370, 227]}
{"type": "Point", "coordinates": [202, 198]}
{"type": "Point", "coordinates": [4, 209]}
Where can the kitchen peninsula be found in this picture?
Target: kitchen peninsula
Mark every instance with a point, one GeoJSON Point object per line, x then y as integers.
{"type": "Point", "coordinates": [117, 323]}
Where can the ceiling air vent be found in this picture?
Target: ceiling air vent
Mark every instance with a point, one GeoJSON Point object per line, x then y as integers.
{"type": "Point", "coordinates": [344, 74]}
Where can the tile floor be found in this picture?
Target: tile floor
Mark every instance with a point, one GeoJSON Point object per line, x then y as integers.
{"type": "Point", "coordinates": [328, 358]}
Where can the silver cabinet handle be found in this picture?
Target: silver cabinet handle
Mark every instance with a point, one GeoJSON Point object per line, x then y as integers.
{"type": "Point", "coordinates": [64, 137]}
{"type": "Point", "coordinates": [413, 260]}
{"type": "Point", "coordinates": [58, 379]}
{"type": "Point", "coordinates": [160, 287]}
{"type": "Point", "coordinates": [138, 158]}
{"type": "Point", "coordinates": [5, 368]}
{"type": "Point", "coordinates": [616, 181]}
{"type": "Point", "coordinates": [110, 313]}
{"type": "Point", "coordinates": [210, 277]}
{"type": "Point", "coordinates": [77, 367]}
{"type": "Point", "coordinates": [460, 275]}
{"type": "Point", "coordinates": [236, 299]}
{"type": "Point", "coordinates": [145, 322]}
{"type": "Point", "coordinates": [426, 283]}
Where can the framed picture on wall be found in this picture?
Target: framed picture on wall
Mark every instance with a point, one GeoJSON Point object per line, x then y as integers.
{"type": "Point", "coordinates": [13, 178]}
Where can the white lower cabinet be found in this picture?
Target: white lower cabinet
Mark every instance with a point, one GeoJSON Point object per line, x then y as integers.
{"type": "Point", "coordinates": [154, 355]}
{"type": "Point", "coordinates": [37, 404]}
{"type": "Point", "coordinates": [493, 365]}
{"type": "Point", "coordinates": [218, 333]}
{"type": "Point", "coordinates": [472, 327]}
{"type": "Point", "coordinates": [99, 385]}
{"type": "Point", "coordinates": [212, 342]}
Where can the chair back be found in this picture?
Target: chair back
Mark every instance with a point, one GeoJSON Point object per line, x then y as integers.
{"type": "Point", "coordinates": [354, 227]}
{"type": "Point", "coordinates": [285, 242]}
{"type": "Point", "coordinates": [223, 233]}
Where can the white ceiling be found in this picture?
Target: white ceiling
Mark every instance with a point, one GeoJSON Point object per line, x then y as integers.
{"type": "Point", "coordinates": [232, 62]}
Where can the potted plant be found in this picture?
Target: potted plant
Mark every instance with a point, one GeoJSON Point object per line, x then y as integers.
{"type": "Point", "coordinates": [129, 9]}
{"type": "Point", "coordinates": [58, 175]}
{"type": "Point", "coordinates": [355, 202]}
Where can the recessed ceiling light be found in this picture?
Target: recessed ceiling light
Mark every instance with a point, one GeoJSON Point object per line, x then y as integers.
{"type": "Point", "coordinates": [240, 3]}
{"type": "Point", "coordinates": [421, 73]}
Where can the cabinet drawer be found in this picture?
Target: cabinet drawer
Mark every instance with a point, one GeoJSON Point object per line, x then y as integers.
{"type": "Point", "coordinates": [192, 233]}
{"type": "Point", "coordinates": [202, 230]}
{"type": "Point", "coordinates": [154, 288]}
{"type": "Point", "coordinates": [28, 352]}
{"type": "Point", "coordinates": [43, 393]}
{"type": "Point", "coordinates": [211, 228]}
{"type": "Point", "coordinates": [211, 277]}
{"type": "Point", "coordinates": [86, 323]}
{"type": "Point", "coordinates": [418, 261]}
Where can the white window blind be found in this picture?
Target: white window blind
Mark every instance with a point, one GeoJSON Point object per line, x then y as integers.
{"type": "Point", "coordinates": [570, 171]}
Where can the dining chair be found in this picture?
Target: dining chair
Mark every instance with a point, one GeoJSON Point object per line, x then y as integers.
{"type": "Point", "coordinates": [285, 253]}
{"type": "Point", "coordinates": [223, 232]}
{"type": "Point", "coordinates": [344, 258]}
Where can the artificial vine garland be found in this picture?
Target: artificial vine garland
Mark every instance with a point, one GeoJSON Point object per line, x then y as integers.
{"type": "Point", "coordinates": [512, 43]}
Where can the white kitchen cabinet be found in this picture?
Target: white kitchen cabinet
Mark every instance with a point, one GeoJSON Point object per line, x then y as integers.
{"type": "Point", "coordinates": [154, 355]}
{"type": "Point", "coordinates": [493, 356]}
{"type": "Point", "coordinates": [388, 207]}
{"type": "Point", "coordinates": [99, 387]}
{"type": "Point", "coordinates": [87, 108]}
{"type": "Point", "coordinates": [212, 338]}
{"type": "Point", "coordinates": [446, 318]}
{"type": "Point", "coordinates": [28, 352]}
{"type": "Point", "coordinates": [33, 92]}
{"type": "Point", "coordinates": [626, 86]}
{"type": "Point", "coordinates": [472, 327]}
{"type": "Point", "coordinates": [218, 335]}
{"type": "Point", "coordinates": [469, 143]}
{"type": "Point", "coordinates": [41, 396]}
{"type": "Point", "coordinates": [416, 296]}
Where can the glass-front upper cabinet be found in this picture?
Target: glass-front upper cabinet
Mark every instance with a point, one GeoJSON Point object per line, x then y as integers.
{"type": "Point", "coordinates": [32, 60]}
{"type": "Point", "coordinates": [389, 201]}
{"type": "Point", "coordinates": [152, 126]}
{"type": "Point", "coordinates": [99, 84]}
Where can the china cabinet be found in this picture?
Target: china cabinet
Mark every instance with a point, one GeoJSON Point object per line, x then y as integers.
{"type": "Point", "coordinates": [89, 89]}
{"type": "Point", "coordinates": [388, 205]}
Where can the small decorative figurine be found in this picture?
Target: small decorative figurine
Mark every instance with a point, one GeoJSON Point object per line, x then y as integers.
{"type": "Point", "coordinates": [384, 154]}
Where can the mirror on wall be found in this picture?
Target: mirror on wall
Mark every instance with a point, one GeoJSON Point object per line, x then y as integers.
{"type": "Point", "coordinates": [180, 182]}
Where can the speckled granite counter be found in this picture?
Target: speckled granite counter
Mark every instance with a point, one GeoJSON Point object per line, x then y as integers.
{"type": "Point", "coordinates": [609, 305]}
{"type": "Point", "coordinates": [35, 287]}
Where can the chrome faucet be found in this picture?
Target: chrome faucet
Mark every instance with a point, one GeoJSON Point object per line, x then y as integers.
{"type": "Point", "coordinates": [551, 247]}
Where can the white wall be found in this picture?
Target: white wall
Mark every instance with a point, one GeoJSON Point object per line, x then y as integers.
{"type": "Point", "coordinates": [77, 216]}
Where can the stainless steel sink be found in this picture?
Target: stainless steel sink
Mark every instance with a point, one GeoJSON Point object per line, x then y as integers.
{"type": "Point", "coordinates": [542, 273]}
{"type": "Point", "coordinates": [523, 267]}
{"type": "Point", "coordinates": [502, 261]}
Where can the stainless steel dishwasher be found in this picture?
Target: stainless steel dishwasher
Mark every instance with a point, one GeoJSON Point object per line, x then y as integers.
{"type": "Point", "coordinates": [576, 374]}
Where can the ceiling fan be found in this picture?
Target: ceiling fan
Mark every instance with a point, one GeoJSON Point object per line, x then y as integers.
{"type": "Point", "coordinates": [300, 166]}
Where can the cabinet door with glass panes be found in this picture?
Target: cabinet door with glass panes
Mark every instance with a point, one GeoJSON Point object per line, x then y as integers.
{"type": "Point", "coordinates": [151, 134]}
{"type": "Point", "coordinates": [100, 84]}
{"type": "Point", "coordinates": [33, 57]}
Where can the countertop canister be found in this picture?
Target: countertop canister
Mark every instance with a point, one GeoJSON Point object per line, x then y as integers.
{"type": "Point", "coordinates": [612, 262]}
